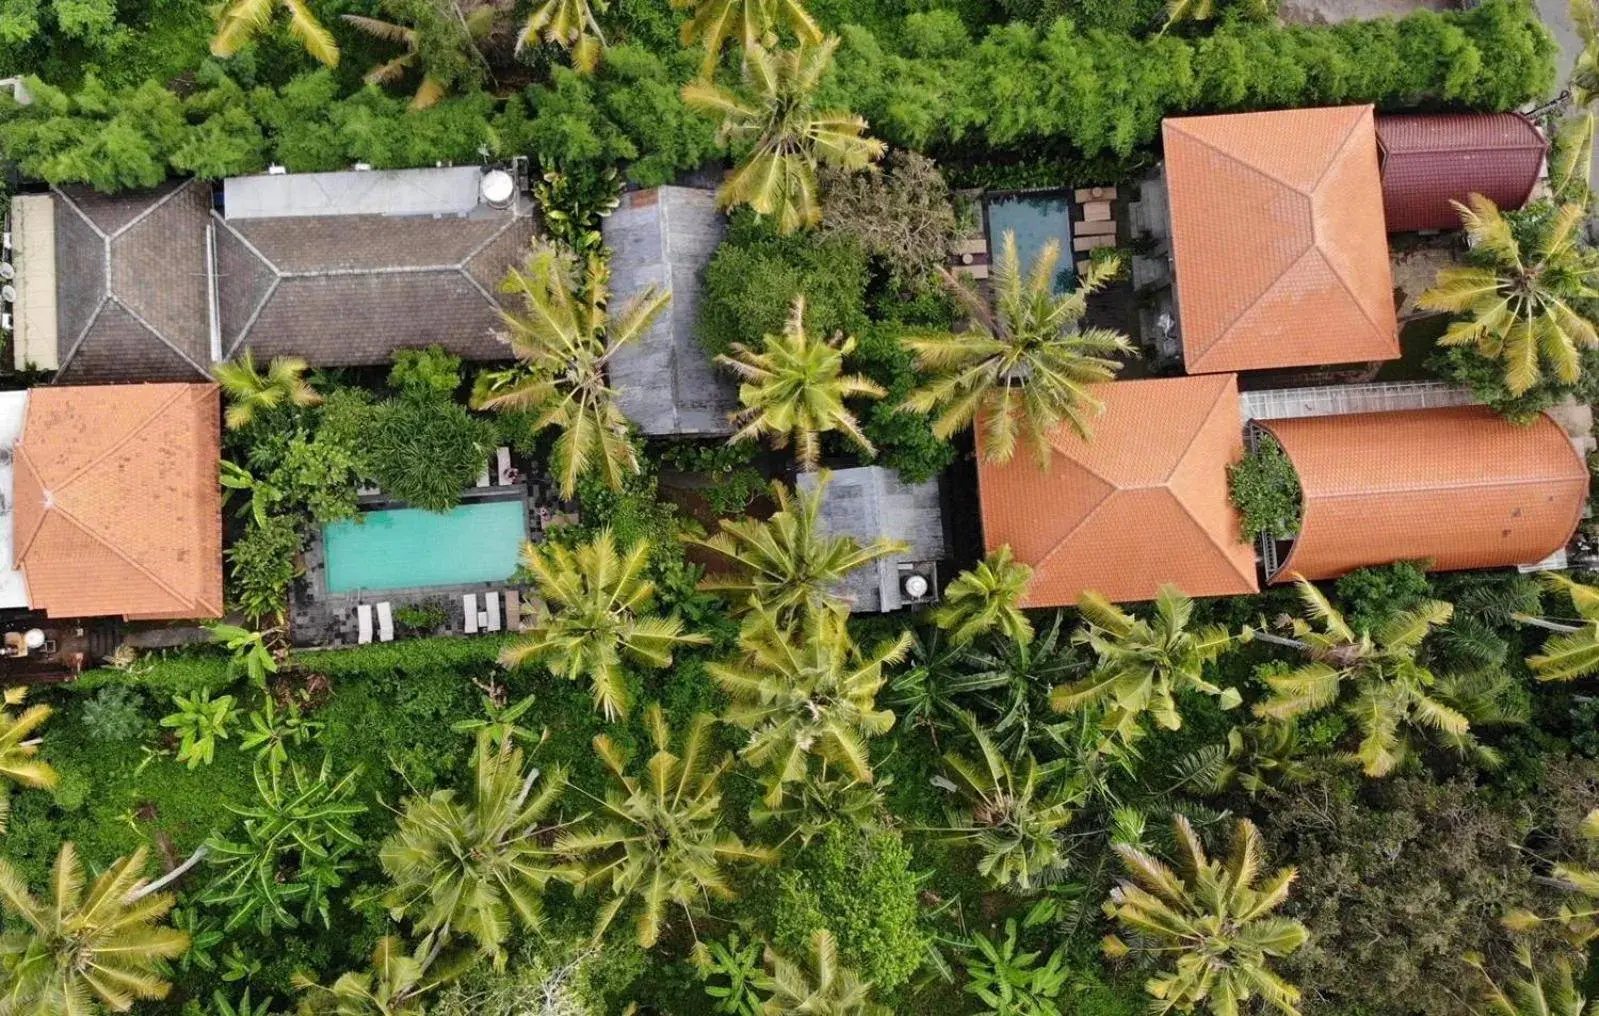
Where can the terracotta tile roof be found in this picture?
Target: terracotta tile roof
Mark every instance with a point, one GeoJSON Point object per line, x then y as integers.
{"type": "Point", "coordinates": [117, 507]}
{"type": "Point", "coordinates": [1459, 486]}
{"type": "Point", "coordinates": [1430, 159]}
{"type": "Point", "coordinates": [1278, 238]}
{"type": "Point", "coordinates": [1142, 504]}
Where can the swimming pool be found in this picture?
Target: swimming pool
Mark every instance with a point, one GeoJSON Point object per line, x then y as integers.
{"type": "Point", "coordinates": [1036, 219]}
{"type": "Point", "coordinates": [406, 547]}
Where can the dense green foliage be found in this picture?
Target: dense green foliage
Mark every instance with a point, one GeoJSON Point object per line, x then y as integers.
{"type": "Point", "coordinates": [1264, 487]}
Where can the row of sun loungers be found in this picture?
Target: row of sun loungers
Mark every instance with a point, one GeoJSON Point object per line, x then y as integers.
{"type": "Point", "coordinates": [503, 473]}
{"type": "Point", "coordinates": [488, 618]}
{"type": "Point", "coordinates": [363, 621]}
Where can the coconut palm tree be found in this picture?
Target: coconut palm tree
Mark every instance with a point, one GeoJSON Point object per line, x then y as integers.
{"type": "Point", "coordinates": [659, 840]}
{"type": "Point", "coordinates": [1554, 992]}
{"type": "Point", "coordinates": [807, 692]}
{"type": "Point", "coordinates": [250, 392]}
{"type": "Point", "coordinates": [1520, 295]}
{"type": "Point", "coordinates": [65, 954]}
{"type": "Point", "coordinates": [600, 599]}
{"type": "Point", "coordinates": [784, 136]}
{"type": "Point", "coordinates": [19, 762]}
{"type": "Point", "coordinates": [752, 22]}
{"type": "Point", "coordinates": [987, 598]}
{"type": "Point", "coordinates": [464, 32]}
{"type": "Point", "coordinates": [396, 985]}
{"type": "Point", "coordinates": [787, 565]}
{"type": "Point", "coordinates": [471, 867]}
{"type": "Point", "coordinates": [1178, 11]}
{"type": "Point", "coordinates": [240, 20]}
{"type": "Point", "coordinates": [1573, 651]}
{"type": "Point", "coordinates": [1015, 814]}
{"type": "Point", "coordinates": [819, 987]}
{"type": "Point", "coordinates": [564, 339]}
{"type": "Point", "coordinates": [1024, 366]}
{"type": "Point", "coordinates": [571, 25]}
{"type": "Point", "coordinates": [793, 390]}
{"type": "Point", "coordinates": [1144, 663]}
{"type": "Point", "coordinates": [1209, 922]}
{"type": "Point", "coordinates": [1391, 688]}
{"type": "Point", "coordinates": [1578, 921]}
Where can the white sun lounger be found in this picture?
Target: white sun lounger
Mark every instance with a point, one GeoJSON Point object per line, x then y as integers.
{"type": "Point", "coordinates": [385, 622]}
{"type": "Point", "coordinates": [493, 602]}
{"type": "Point", "coordinates": [483, 477]}
{"type": "Point", "coordinates": [363, 620]}
{"type": "Point", "coordinates": [469, 605]}
{"type": "Point", "coordinates": [502, 465]}
{"type": "Point", "coordinates": [513, 610]}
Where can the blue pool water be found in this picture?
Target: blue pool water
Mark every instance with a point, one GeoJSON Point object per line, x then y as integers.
{"type": "Point", "coordinates": [410, 547]}
{"type": "Point", "coordinates": [1036, 219]}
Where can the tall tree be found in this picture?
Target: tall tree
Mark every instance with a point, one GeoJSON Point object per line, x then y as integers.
{"type": "Point", "coordinates": [659, 841]}
{"type": "Point", "coordinates": [819, 987]}
{"type": "Point", "coordinates": [1391, 688]}
{"type": "Point", "coordinates": [571, 25]}
{"type": "Point", "coordinates": [443, 46]}
{"type": "Point", "coordinates": [1144, 663]}
{"type": "Point", "coordinates": [600, 599]}
{"type": "Point", "coordinates": [751, 22]}
{"type": "Point", "coordinates": [1024, 366]}
{"type": "Point", "coordinates": [1551, 992]}
{"type": "Point", "coordinates": [1209, 922]}
{"type": "Point", "coordinates": [563, 339]}
{"type": "Point", "coordinates": [1521, 295]}
{"type": "Point", "coordinates": [1573, 651]}
{"type": "Point", "coordinates": [250, 392]}
{"type": "Point", "coordinates": [241, 20]}
{"type": "Point", "coordinates": [787, 565]}
{"type": "Point", "coordinates": [19, 750]}
{"type": "Point", "coordinates": [987, 598]}
{"type": "Point", "coordinates": [781, 134]}
{"type": "Point", "coordinates": [470, 867]}
{"type": "Point", "coordinates": [67, 953]}
{"type": "Point", "coordinates": [804, 693]}
{"type": "Point", "coordinates": [793, 390]}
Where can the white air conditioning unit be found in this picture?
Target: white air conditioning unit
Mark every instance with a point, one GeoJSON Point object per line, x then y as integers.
{"type": "Point", "coordinates": [918, 583]}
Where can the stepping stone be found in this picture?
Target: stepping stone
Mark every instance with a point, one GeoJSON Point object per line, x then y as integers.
{"type": "Point", "coordinates": [1083, 194]}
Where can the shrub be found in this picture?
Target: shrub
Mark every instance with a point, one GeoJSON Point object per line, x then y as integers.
{"type": "Point", "coordinates": [426, 452]}
{"type": "Point", "coordinates": [1265, 490]}
{"type": "Point", "coordinates": [262, 565]}
{"type": "Point", "coordinates": [902, 218]}
{"type": "Point", "coordinates": [1370, 596]}
{"type": "Point", "coordinates": [905, 440]}
{"type": "Point", "coordinates": [862, 889]}
{"type": "Point", "coordinates": [115, 713]}
{"type": "Point", "coordinates": [431, 373]}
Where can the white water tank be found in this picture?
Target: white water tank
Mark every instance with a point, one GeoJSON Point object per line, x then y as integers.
{"type": "Point", "coordinates": [915, 586]}
{"type": "Point", "coordinates": [497, 188]}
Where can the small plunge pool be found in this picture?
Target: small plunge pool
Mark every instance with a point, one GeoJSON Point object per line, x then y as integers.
{"type": "Point", "coordinates": [1036, 219]}
{"type": "Point", "coordinates": [407, 547]}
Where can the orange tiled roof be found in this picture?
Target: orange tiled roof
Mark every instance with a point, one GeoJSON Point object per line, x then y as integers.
{"type": "Point", "coordinates": [1142, 504]}
{"type": "Point", "coordinates": [117, 507]}
{"type": "Point", "coordinates": [1278, 237]}
{"type": "Point", "coordinates": [1460, 486]}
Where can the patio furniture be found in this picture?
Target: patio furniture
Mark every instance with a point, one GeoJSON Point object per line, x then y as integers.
{"type": "Point", "coordinates": [513, 610]}
{"type": "Point", "coordinates": [363, 621]}
{"type": "Point", "coordinates": [493, 613]}
{"type": "Point", "coordinates": [469, 605]}
{"type": "Point", "coordinates": [483, 477]}
{"type": "Point", "coordinates": [385, 622]}
{"type": "Point", "coordinates": [502, 466]}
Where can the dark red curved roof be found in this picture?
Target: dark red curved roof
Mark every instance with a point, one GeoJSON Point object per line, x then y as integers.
{"type": "Point", "coordinates": [1430, 159]}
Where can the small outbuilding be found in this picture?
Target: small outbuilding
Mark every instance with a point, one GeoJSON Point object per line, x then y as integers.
{"type": "Point", "coordinates": [666, 382]}
{"type": "Point", "coordinates": [871, 503]}
{"type": "Point", "coordinates": [1429, 160]}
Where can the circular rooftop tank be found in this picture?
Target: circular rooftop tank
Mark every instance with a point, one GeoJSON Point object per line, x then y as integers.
{"type": "Point", "coordinates": [497, 188]}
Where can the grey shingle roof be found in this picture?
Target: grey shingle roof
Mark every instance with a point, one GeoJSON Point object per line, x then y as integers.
{"type": "Point", "coordinates": [666, 382]}
{"type": "Point", "coordinates": [132, 301]}
{"type": "Point", "coordinates": [870, 503]}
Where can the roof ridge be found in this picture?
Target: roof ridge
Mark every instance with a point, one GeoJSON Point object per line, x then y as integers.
{"type": "Point", "coordinates": [1315, 231]}
{"type": "Point", "coordinates": [168, 196]}
{"type": "Point", "coordinates": [20, 547]}
{"type": "Point", "coordinates": [82, 215]}
{"type": "Point", "coordinates": [1226, 330]}
{"type": "Point", "coordinates": [1257, 170]}
{"type": "Point", "coordinates": [204, 371]}
{"type": "Point", "coordinates": [1210, 539]}
{"type": "Point", "coordinates": [1338, 153]}
{"type": "Point", "coordinates": [1066, 537]}
{"type": "Point", "coordinates": [1210, 411]}
{"type": "Point", "coordinates": [1419, 488]}
{"type": "Point", "coordinates": [1182, 502]}
{"type": "Point", "coordinates": [255, 315]}
{"type": "Point", "coordinates": [252, 248]}
{"type": "Point", "coordinates": [77, 344]}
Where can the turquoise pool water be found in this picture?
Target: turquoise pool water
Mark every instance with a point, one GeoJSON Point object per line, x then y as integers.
{"type": "Point", "coordinates": [1036, 219]}
{"type": "Point", "coordinates": [410, 547]}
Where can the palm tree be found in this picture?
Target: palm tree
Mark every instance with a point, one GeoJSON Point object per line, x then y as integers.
{"type": "Point", "coordinates": [250, 392]}
{"type": "Point", "coordinates": [1143, 664]}
{"type": "Point", "coordinates": [1578, 922]}
{"type": "Point", "coordinates": [1573, 651]}
{"type": "Point", "coordinates": [466, 30]}
{"type": "Point", "coordinates": [1014, 814]}
{"type": "Point", "coordinates": [571, 25]}
{"type": "Point", "coordinates": [1520, 294]}
{"type": "Point", "coordinates": [471, 866]}
{"type": "Point", "coordinates": [987, 598]}
{"type": "Point", "coordinates": [1391, 687]}
{"type": "Point", "coordinates": [804, 693]}
{"type": "Point", "coordinates": [240, 20]}
{"type": "Point", "coordinates": [659, 840]}
{"type": "Point", "coordinates": [820, 987]}
{"type": "Point", "coordinates": [1212, 924]}
{"type": "Point", "coordinates": [601, 599]}
{"type": "Point", "coordinates": [74, 950]}
{"type": "Point", "coordinates": [785, 137]}
{"type": "Point", "coordinates": [396, 985]}
{"type": "Point", "coordinates": [1178, 11]}
{"type": "Point", "coordinates": [787, 565]}
{"type": "Point", "coordinates": [1537, 993]}
{"type": "Point", "coordinates": [564, 340]}
{"type": "Point", "coordinates": [1024, 366]}
{"type": "Point", "coordinates": [19, 763]}
{"type": "Point", "coordinates": [752, 22]}
{"type": "Point", "coordinates": [793, 388]}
